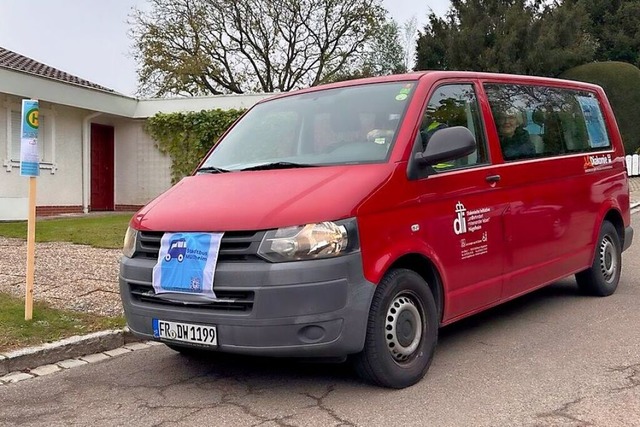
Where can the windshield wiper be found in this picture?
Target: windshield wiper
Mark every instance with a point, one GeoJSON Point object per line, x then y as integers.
{"type": "Point", "coordinates": [277, 165]}
{"type": "Point", "coordinates": [212, 169]}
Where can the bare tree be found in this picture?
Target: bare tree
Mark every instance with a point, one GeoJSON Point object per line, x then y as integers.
{"type": "Point", "coordinates": [409, 38]}
{"type": "Point", "coordinates": [196, 47]}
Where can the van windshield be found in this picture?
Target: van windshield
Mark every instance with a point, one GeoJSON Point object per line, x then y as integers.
{"type": "Point", "coordinates": [349, 125]}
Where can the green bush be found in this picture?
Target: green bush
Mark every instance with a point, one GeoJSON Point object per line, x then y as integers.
{"type": "Point", "coordinates": [187, 137]}
{"type": "Point", "coordinates": [621, 82]}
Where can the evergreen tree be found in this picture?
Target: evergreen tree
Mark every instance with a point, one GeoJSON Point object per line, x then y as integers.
{"type": "Point", "coordinates": [509, 36]}
{"type": "Point", "coordinates": [615, 27]}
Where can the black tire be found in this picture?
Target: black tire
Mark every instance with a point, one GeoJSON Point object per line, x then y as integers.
{"type": "Point", "coordinates": [402, 331]}
{"type": "Point", "coordinates": [602, 278]}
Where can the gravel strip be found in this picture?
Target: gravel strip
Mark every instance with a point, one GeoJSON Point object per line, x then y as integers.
{"type": "Point", "coordinates": [67, 276]}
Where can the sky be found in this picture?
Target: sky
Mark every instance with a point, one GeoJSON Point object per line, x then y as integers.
{"type": "Point", "coordinates": [89, 38]}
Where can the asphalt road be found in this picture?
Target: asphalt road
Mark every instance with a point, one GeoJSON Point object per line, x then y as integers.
{"type": "Point", "coordinates": [552, 358]}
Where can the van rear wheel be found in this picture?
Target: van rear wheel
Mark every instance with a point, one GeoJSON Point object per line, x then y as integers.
{"type": "Point", "coordinates": [402, 331]}
{"type": "Point", "coordinates": [602, 278]}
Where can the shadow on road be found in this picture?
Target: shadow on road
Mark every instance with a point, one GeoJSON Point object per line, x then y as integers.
{"type": "Point", "coordinates": [266, 370]}
{"type": "Point", "coordinates": [271, 367]}
{"type": "Point", "coordinates": [559, 293]}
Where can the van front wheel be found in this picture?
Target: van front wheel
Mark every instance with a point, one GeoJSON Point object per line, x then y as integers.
{"type": "Point", "coordinates": [601, 279]}
{"type": "Point", "coordinates": [402, 331]}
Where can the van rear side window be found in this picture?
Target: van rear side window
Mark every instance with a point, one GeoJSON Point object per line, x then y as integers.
{"type": "Point", "coordinates": [538, 121]}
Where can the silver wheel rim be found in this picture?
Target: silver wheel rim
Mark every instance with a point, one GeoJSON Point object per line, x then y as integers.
{"type": "Point", "coordinates": [608, 259]}
{"type": "Point", "coordinates": [403, 328]}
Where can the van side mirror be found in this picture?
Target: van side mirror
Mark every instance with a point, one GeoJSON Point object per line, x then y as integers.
{"type": "Point", "coordinates": [447, 144]}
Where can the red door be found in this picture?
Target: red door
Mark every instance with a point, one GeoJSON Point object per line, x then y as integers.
{"type": "Point", "coordinates": [102, 167]}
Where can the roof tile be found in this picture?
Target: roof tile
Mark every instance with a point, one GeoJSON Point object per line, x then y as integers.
{"type": "Point", "coordinates": [15, 61]}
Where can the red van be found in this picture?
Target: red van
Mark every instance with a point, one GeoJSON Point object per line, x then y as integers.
{"type": "Point", "coordinates": [355, 219]}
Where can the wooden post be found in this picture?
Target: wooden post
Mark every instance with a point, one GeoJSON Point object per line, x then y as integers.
{"type": "Point", "coordinates": [31, 249]}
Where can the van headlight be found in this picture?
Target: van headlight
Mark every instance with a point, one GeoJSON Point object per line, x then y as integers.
{"type": "Point", "coordinates": [129, 246]}
{"type": "Point", "coordinates": [311, 241]}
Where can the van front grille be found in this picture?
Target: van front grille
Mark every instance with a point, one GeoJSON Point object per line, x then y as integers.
{"type": "Point", "coordinates": [231, 300]}
{"type": "Point", "coordinates": [234, 246]}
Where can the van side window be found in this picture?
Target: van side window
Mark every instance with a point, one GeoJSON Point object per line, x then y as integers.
{"type": "Point", "coordinates": [538, 121]}
{"type": "Point", "coordinates": [454, 105]}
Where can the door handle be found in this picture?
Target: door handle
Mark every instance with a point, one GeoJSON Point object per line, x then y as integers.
{"type": "Point", "coordinates": [492, 178]}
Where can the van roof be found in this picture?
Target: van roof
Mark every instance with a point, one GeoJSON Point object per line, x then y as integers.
{"type": "Point", "coordinates": [438, 75]}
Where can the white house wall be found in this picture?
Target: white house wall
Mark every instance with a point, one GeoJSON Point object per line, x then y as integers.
{"type": "Point", "coordinates": [13, 191]}
{"type": "Point", "coordinates": [64, 186]}
{"type": "Point", "coordinates": [60, 180]}
{"type": "Point", "coordinates": [142, 172]}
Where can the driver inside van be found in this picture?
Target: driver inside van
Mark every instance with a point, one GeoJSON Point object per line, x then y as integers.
{"type": "Point", "coordinates": [384, 134]}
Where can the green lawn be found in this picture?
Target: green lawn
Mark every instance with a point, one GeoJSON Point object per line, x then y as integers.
{"type": "Point", "coordinates": [47, 325]}
{"type": "Point", "coordinates": [103, 231]}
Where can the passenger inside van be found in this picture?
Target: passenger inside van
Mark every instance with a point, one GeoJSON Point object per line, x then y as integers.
{"type": "Point", "coordinates": [553, 135]}
{"type": "Point", "coordinates": [449, 109]}
{"type": "Point", "coordinates": [432, 127]}
{"type": "Point", "coordinates": [514, 139]}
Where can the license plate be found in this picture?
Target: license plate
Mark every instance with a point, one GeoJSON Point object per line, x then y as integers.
{"type": "Point", "coordinates": [185, 332]}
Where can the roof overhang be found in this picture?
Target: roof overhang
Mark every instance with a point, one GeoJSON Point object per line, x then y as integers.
{"type": "Point", "coordinates": [150, 107]}
{"type": "Point", "coordinates": [27, 85]}
{"type": "Point", "coordinates": [35, 87]}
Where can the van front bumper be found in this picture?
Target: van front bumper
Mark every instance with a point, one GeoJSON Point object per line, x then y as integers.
{"type": "Point", "coordinates": [317, 308]}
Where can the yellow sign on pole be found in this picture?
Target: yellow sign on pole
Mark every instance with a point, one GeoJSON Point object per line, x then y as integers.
{"type": "Point", "coordinates": [30, 166]}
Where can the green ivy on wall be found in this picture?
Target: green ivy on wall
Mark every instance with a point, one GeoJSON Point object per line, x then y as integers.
{"type": "Point", "coordinates": [187, 137]}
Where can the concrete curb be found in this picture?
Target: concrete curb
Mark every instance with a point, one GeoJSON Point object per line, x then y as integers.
{"type": "Point", "coordinates": [68, 348]}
